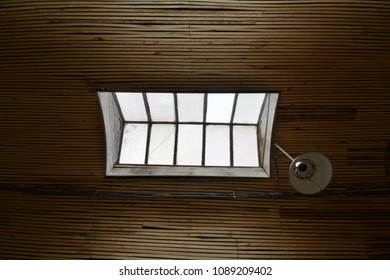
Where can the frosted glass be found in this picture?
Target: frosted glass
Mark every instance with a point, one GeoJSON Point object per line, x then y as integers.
{"type": "Point", "coordinates": [219, 107]}
{"type": "Point", "coordinates": [162, 106]}
{"type": "Point", "coordinates": [132, 106]}
{"type": "Point", "coordinates": [248, 108]}
{"type": "Point", "coordinates": [217, 145]}
{"type": "Point", "coordinates": [245, 152]}
{"type": "Point", "coordinates": [134, 144]}
{"type": "Point", "coordinates": [162, 142]}
{"type": "Point", "coordinates": [190, 107]}
{"type": "Point", "coordinates": [189, 145]}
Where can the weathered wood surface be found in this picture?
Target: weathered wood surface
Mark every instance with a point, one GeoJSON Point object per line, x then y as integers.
{"type": "Point", "coordinates": [329, 59]}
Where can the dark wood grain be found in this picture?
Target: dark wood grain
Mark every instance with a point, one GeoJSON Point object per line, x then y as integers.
{"type": "Point", "coordinates": [329, 59]}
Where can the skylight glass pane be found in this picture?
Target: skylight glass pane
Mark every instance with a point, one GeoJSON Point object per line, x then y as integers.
{"type": "Point", "coordinates": [245, 151]}
{"type": "Point", "coordinates": [219, 107]}
{"type": "Point", "coordinates": [248, 107]}
{"type": "Point", "coordinates": [189, 145]}
{"type": "Point", "coordinates": [162, 142]}
{"type": "Point", "coordinates": [132, 106]}
{"type": "Point", "coordinates": [134, 144]}
{"type": "Point", "coordinates": [217, 145]}
{"type": "Point", "coordinates": [162, 106]}
{"type": "Point", "coordinates": [190, 107]}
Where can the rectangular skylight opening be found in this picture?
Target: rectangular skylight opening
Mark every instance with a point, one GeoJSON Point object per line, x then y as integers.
{"type": "Point", "coordinates": [200, 134]}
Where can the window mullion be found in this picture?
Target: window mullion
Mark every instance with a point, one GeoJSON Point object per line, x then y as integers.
{"type": "Point", "coordinates": [231, 129]}
{"type": "Point", "coordinates": [258, 132]}
{"type": "Point", "coordinates": [176, 129]}
{"type": "Point", "coordinates": [262, 109]}
{"type": "Point", "coordinates": [118, 106]}
{"type": "Point", "coordinates": [149, 126]}
{"type": "Point", "coordinates": [204, 129]}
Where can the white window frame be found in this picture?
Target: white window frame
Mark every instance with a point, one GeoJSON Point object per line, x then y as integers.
{"type": "Point", "coordinates": [114, 124]}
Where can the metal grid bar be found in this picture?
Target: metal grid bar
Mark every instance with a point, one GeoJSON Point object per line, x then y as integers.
{"type": "Point", "coordinates": [205, 97]}
{"type": "Point", "coordinates": [176, 129]}
{"type": "Point", "coordinates": [147, 108]}
{"type": "Point", "coordinates": [231, 130]}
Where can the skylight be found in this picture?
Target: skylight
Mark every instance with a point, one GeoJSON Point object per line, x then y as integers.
{"type": "Point", "coordinates": [184, 134]}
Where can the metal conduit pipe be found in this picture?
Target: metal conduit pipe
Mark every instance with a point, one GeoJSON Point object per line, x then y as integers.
{"type": "Point", "coordinates": [190, 196]}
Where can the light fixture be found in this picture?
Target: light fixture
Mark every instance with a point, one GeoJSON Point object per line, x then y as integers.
{"type": "Point", "coordinates": [310, 172]}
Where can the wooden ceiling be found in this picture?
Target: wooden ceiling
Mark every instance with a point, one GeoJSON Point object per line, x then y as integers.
{"type": "Point", "coordinates": [329, 59]}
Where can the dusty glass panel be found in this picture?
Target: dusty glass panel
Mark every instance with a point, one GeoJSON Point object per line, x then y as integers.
{"type": "Point", "coordinates": [162, 106]}
{"type": "Point", "coordinates": [248, 108]}
{"type": "Point", "coordinates": [132, 106]}
{"type": "Point", "coordinates": [189, 146]}
{"type": "Point", "coordinates": [217, 145]}
{"type": "Point", "coordinates": [134, 144]}
{"type": "Point", "coordinates": [219, 107]}
{"type": "Point", "coordinates": [162, 142]}
{"type": "Point", "coordinates": [190, 107]}
{"type": "Point", "coordinates": [245, 151]}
